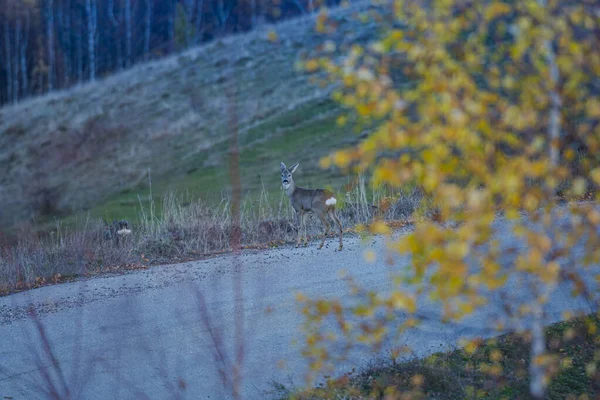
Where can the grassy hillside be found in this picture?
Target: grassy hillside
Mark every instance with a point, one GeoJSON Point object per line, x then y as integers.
{"type": "Point", "coordinates": [98, 147]}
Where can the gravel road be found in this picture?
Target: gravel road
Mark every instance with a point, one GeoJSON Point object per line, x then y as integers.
{"type": "Point", "coordinates": [152, 333]}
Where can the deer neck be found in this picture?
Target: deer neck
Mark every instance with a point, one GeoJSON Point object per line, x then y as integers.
{"type": "Point", "coordinates": [290, 189]}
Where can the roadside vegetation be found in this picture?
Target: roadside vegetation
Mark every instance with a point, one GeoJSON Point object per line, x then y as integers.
{"type": "Point", "coordinates": [178, 228]}
{"type": "Point", "coordinates": [494, 368]}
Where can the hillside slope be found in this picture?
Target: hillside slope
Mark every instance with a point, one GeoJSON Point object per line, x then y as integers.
{"type": "Point", "coordinates": [97, 147]}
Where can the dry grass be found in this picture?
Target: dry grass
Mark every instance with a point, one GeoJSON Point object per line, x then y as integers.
{"type": "Point", "coordinates": [182, 230]}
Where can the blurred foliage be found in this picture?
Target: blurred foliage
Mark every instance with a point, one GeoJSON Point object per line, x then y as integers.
{"type": "Point", "coordinates": [493, 109]}
{"type": "Point", "coordinates": [495, 368]}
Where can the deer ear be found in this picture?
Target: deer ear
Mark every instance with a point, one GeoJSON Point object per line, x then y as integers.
{"type": "Point", "coordinates": [283, 167]}
{"type": "Point", "coordinates": [294, 167]}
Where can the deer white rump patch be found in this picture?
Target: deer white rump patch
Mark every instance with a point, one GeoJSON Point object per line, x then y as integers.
{"type": "Point", "coordinates": [124, 232]}
{"type": "Point", "coordinates": [331, 201]}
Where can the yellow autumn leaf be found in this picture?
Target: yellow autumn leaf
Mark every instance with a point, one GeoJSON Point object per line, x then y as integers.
{"type": "Point", "coordinates": [496, 9]}
{"type": "Point", "coordinates": [301, 298]}
{"type": "Point", "coordinates": [579, 187]}
{"type": "Point", "coordinates": [370, 256]}
{"type": "Point", "coordinates": [404, 302]}
{"type": "Point", "coordinates": [325, 162]}
{"type": "Point", "coordinates": [593, 108]}
{"type": "Point", "coordinates": [380, 228]}
{"type": "Point", "coordinates": [341, 159]}
{"type": "Point", "coordinates": [272, 36]}
{"type": "Point", "coordinates": [311, 65]}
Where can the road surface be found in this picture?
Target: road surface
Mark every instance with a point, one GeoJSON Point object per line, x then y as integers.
{"type": "Point", "coordinates": [152, 333]}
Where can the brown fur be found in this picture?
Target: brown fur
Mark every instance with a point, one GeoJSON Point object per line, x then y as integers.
{"type": "Point", "coordinates": [310, 200]}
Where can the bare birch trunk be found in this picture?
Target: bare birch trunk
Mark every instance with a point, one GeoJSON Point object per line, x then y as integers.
{"type": "Point", "coordinates": [8, 67]}
{"type": "Point", "coordinates": [50, 38]}
{"type": "Point", "coordinates": [189, 16]}
{"type": "Point", "coordinates": [111, 12]}
{"type": "Point", "coordinates": [127, 33]}
{"type": "Point", "coordinates": [147, 30]}
{"type": "Point", "coordinates": [64, 21]}
{"type": "Point", "coordinates": [253, 16]}
{"type": "Point", "coordinates": [79, 44]}
{"type": "Point", "coordinates": [171, 26]}
{"type": "Point", "coordinates": [538, 372]}
{"type": "Point", "coordinates": [222, 14]}
{"type": "Point", "coordinates": [16, 60]}
{"type": "Point", "coordinates": [23, 56]}
{"type": "Point", "coordinates": [537, 385]}
{"type": "Point", "coordinates": [91, 11]}
{"type": "Point", "coordinates": [199, 16]}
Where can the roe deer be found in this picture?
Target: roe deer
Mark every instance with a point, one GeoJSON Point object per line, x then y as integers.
{"type": "Point", "coordinates": [117, 231]}
{"type": "Point", "coordinates": [320, 201]}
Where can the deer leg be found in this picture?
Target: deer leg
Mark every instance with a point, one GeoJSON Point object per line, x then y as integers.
{"type": "Point", "coordinates": [300, 223]}
{"type": "Point", "coordinates": [327, 226]}
{"type": "Point", "coordinates": [334, 216]}
{"type": "Point", "coordinates": [305, 229]}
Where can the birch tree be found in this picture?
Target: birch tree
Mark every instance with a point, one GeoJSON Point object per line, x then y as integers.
{"type": "Point", "coordinates": [92, 21]}
{"type": "Point", "coordinates": [222, 13]}
{"type": "Point", "coordinates": [16, 82]}
{"type": "Point", "coordinates": [79, 35]}
{"type": "Point", "coordinates": [469, 101]}
{"type": "Point", "coordinates": [50, 42]}
{"type": "Point", "coordinates": [64, 22]}
{"type": "Point", "coordinates": [7, 61]}
{"type": "Point", "coordinates": [198, 21]}
{"type": "Point", "coordinates": [128, 24]}
{"type": "Point", "coordinates": [23, 55]}
{"type": "Point", "coordinates": [147, 28]}
{"type": "Point", "coordinates": [188, 6]}
{"type": "Point", "coordinates": [171, 25]}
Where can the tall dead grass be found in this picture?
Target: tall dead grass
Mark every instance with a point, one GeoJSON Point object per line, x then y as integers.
{"type": "Point", "coordinates": [176, 230]}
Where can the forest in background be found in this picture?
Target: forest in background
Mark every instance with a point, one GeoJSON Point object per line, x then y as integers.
{"type": "Point", "coordinates": [54, 44]}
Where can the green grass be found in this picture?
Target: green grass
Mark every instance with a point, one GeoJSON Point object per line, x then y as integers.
{"type": "Point", "coordinates": [497, 369]}
{"type": "Point", "coordinates": [304, 135]}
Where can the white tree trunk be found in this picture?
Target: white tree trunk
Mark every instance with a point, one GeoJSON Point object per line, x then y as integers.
{"type": "Point", "coordinates": [298, 3]}
{"type": "Point", "coordinates": [223, 14]}
{"type": "Point", "coordinates": [147, 30]}
{"type": "Point", "coordinates": [199, 17]}
{"type": "Point", "coordinates": [128, 60]}
{"type": "Point", "coordinates": [79, 44]}
{"type": "Point", "coordinates": [188, 6]}
{"type": "Point", "coordinates": [171, 25]}
{"type": "Point", "coordinates": [253, 11]}
{"type": "Point", "coordinates": [8, 65]}
{"type": "Point", "coordinates": [91, 13]}
{"type": "Point", "coordinates": [537, 384]}
{"type": "Point", "coordinates": [111, 12]}
{"type": "Point", "coordinates": [50, 38]}
{"type": "Point", "coordinates": [16, 60]}
{"type": "Point", "coordinates": [64, 21]}
{"type": "Point", "coordinates": [554, 121]}
{"type": "Point", "coordinates": [23, 56]}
